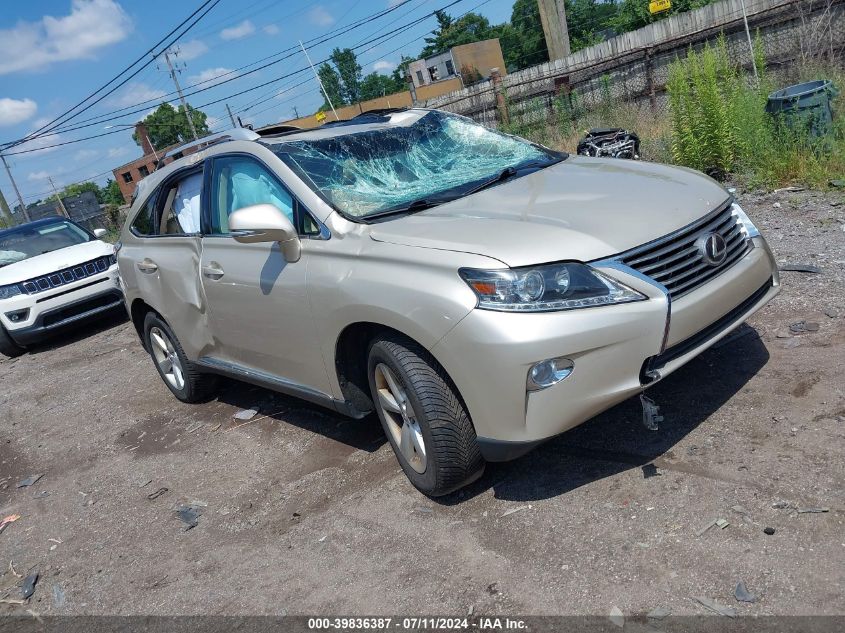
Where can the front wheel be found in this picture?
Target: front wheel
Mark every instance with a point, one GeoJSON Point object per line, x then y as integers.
{"type": "Point", "coordinates": [422, 416]}
{"type": "Point", "coordinates": [7, 346]}
{"type": "Point", "coordinates": [182, 377]}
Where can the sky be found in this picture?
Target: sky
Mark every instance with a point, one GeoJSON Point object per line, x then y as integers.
{"type": "Point", "coordinates": [54, 53]}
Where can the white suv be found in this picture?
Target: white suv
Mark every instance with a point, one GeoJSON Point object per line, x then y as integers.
{"type": "Point", "coordinates": [52, 273]}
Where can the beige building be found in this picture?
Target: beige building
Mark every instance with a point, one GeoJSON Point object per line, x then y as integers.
{"type": "Point", "coordinates": [468, 62]}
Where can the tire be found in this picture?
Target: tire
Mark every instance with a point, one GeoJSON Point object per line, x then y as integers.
{"type": "Point", "coordinates": [184, 379]}
{"type": "Point", "coordinates": [7, 346]}
{"type": "Point", "coordinates": [432, 412]}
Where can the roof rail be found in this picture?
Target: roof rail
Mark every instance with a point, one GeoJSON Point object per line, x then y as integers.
{"type": "Point", "coordinates": [235, 134]}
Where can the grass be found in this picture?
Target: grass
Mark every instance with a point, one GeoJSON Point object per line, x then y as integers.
{"type": "Point", "coordinates": [714, 121]}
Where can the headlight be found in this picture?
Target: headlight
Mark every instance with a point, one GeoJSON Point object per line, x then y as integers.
{"type": "Point", "coordinates": [546, 288]}
{"type": "Point", "coordinates": [7, 292]}
{"type": "Point", "coordinates": [747, 224]}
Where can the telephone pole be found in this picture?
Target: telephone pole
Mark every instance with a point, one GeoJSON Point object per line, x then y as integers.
{"type": "Point", "coordinates": [553, 17]}
{"type": "Point", "coordinates": [231, 118]}
{"type": "Point", "coordinates": [181, 96]}
{"type": "Point", "coordinates": [58, 198]}
{"type": "Point", "coordinates": [4, 209]}
{"type": "Point", "coordinates": [15, 187]}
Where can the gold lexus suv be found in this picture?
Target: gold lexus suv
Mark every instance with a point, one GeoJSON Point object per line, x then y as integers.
{"type": "Point", "coordinates": [479, 292]}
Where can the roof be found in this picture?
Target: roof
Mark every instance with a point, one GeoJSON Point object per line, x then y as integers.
{"type": "Point", "coordinates": [365, 122]}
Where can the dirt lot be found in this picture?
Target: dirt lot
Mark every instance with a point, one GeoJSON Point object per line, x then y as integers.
{"type": "Point", "coordinates": [308, 513]}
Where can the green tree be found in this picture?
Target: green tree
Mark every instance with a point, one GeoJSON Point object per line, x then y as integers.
{"type": "Point", "coordinates": [469, 28]}
{"type": "Point", "coordinates": [634, 14]}
{"type": "Point", "coordinates": [349, 71]}
{"type": "Point", "coordinates": [376, 85]}
{"type": "Point", "coordinates": [168, 126]}
{"type": "Point", "coordinates": [81, 187]}
{"type": "Point", "coordinates": [111, 193]}
{"type": "Point", "coordinates": [331, 84]}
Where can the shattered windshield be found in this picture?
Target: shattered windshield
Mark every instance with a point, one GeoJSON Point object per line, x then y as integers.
{"type": "Point", "coordinates": [436, 158]}
{"type": "Point", "coordinates": [28, 241]}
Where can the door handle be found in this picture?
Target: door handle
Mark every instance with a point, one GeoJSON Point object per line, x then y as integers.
{"type": "Point", "coordinates": [213, 271]}
{"type": "Point", "coordinates": [147, 266]}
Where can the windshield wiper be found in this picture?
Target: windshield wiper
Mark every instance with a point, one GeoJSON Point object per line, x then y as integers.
{"type": "Point", "coordinates": [421, 204]}
{"type": "Point", "coordinates": [509, 172]}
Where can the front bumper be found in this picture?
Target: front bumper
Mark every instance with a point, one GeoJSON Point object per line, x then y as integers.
{"type": "Point", "coordinates": [617, 350]}
{"type": "Point", "coordinates": [52, 310]}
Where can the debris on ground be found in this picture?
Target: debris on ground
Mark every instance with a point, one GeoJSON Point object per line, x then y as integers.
{"type": "Point", "coordinates": [216, 427]}
{"type": "Point", "coordinates": [28, 586]}
{"type": "Point", "coordinates": [742, 594]}
{"type": "Point", "coordinates": [423, 510]}
{"type": "Point", "coordinates": [617, 617]}
{"type": "Point", "coordinates": [246, 414]}
{"type": "Point", "coordinates": [651, 413]}
{"type": "Point", "coordinates": [58, 596]}
{"type": "Point", "coordinates": [189, 515]}
{"type": "Point", "coordinates": [831, 313]}
{"type": "Point", "coordinates": [9, 519]}
{"type": "Point", "coordinates": [739, 509]}
{"type": "Point", "coordinates": [650, 470]}
{"type": "Point", "coordinates": [789, 190]}
{"type": "Point", "coordinates": [722, 523]}
{"type": "Point", "coordinates": [25, 483]}
{"type": "Point", "coordinates": [838, 183]}
{"type": "Point", "coordinates": [658, 613]}
{"type": "Point", "coordinates": [493, 588]}
{"type": "Point", "coordinates": [715, 607]}
{"type": "Point", "coordinates": [783, 505]}
{"type": "Point", "coordinates": [803, 326]}
{"type": "Point", "coordinates": [194, 427]}
{"type": "Point", "coordinates": [769, 530]}
{"type": "Point", "coordinates": [801, 268]}
{"type": "Point", "coordinates": [514, 510]}
{"type": "Point", "coordinates": [812, 510]}
{"type": "Point", "coordinates": [156, 494]}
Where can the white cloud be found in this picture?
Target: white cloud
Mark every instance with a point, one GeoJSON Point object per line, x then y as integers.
{"type": "Point", "coordinates": [237, 32]}
{"type": "Point", "coordinates": [319, 16]}
{"type": "Point", "coordinates": [38, 146]}
{"type": "Point", "coordinates": [137, 92]}
{"type": "Point", "coordinates": [38, 175]}
{"type": "Point", "coordinates": [383, 65]}
{"type": "Point", "coordinates": [14, 111]}
{"type": "Point", "coordinates": [85, 154]}
{"type": "Point", "coordinates": [271, 29]}
{"type": "Point", "coordinates": [187, 51]}
{"type": "Point", "coordinates": [213, 122]}
{"type": "Point", "coordinates": [211, 75]}
{"type": "Point", "coordinates": [91, 25]}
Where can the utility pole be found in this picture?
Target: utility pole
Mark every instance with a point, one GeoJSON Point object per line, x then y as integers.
{"type": "Point", "coordinates": [320, 81]}
{"type": "Point", "coordinates": [553, 17]}
{"type": "Point", "coordinates": [750, 45]}
{"type": "Point", "coordinates": [58, 198]}
{"type": "Point", "coordinates": [295, 113]}
{"type": "Point", "coordinates": [181, 96]}
{"type": "Point", "coordinates": [231, 117]}
{"type": "Point", "coordinates": [4, 209]}
{"type": "Point", "coordinates": [15, 187]}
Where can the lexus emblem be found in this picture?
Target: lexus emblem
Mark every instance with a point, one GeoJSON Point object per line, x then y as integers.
{"type": "Point", "coordinates": [713, 248]}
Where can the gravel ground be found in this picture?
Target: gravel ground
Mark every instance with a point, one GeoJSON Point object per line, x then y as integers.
{"type": "Point", "coordinates": [305, 512]}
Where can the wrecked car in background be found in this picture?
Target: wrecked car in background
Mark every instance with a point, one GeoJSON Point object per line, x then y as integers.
{"type": "Point", "coordinates": [481, 293]}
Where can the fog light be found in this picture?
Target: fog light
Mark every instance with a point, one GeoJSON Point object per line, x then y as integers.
{"type": "Point", "coordinates": [548, 372]}
{"type": "Point", "coordinates": [18, 315]}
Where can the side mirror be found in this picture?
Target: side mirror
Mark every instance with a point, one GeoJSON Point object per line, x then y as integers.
{"type": "Point", "coordinates": [100, 233]}
{"type": "Point", "coordinates": [265, 223]}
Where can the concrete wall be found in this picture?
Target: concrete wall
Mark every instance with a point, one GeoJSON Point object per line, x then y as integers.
{"type": "Point", "coordinates": [482, 56]}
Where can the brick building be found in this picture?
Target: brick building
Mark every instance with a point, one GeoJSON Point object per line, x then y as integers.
{"type": "Point", "coordinates": [129, 175]}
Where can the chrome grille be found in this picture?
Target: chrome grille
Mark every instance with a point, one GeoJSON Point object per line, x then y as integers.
{"type": "Point", "coordinates": [676, 260]}
{"type": "Point", "coordinates": [66, 276]}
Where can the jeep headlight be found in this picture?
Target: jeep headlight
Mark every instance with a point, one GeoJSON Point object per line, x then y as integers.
{"type": "Point", "coordinates": [546, 288]}
{"type": "Point", "coordinates": [7, 292]}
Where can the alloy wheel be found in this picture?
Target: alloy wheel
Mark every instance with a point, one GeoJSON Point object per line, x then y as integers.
{"type": "Point", "coordinates": [166, 358]}
{"type": "Point", "coordinates": [400, 417]}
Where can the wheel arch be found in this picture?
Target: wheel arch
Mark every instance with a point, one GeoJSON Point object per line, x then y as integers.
{"type": "Point", "coordinates": [138, 311]}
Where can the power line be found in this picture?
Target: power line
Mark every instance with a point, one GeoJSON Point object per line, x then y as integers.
{"type": "Point", "coordinates": [236, 73]}
{"type": "Point", "coordinates": [52, 125]}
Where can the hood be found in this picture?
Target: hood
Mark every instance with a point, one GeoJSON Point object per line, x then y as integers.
{"type": "Point", "coordinates": [53, 261]}
{"type": "Point", "coordinates": [581, 209]}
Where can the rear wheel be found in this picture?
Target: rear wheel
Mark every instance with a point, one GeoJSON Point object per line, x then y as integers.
{"type": "Point", "coordinates": [423, 417]}
{"type": "Point", "coordinates": [7, 346]}
{"type": "Point", "coordinates": [182, 377]}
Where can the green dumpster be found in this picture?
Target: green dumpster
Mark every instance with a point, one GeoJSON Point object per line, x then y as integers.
{"type": "Point", "coordinates": [805, 106]}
